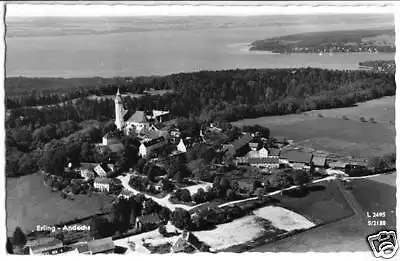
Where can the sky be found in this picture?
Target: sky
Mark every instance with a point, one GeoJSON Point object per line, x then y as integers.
{"type": "Point", "coordinates": [194, 8]}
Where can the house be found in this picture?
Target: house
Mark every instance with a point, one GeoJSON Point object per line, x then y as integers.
{"type": "Point", "coordinates": [187, 243]}
{"type": "Point", "coordinates": [86, 170]}
{"type": "Point", "coordinates": [181, 146]}
{"type": "Point", "coordinates": [269, 163]}
{"type": "Point", "coordinates": [245, 186]}
{"type": "Point", "coordinates": [238, 146]}
{"type": "Point", "coordinates": [338, 165]}
{"type": "Point", "coordinates": [45, 246]}
{"type": "Point", "coordinates": [273, 152]}
{"type": "Point", "coordinates": [297, 157]}
{"type": "Point", "coordinates": [319, 161]}
{"type": "Point", "coordinates": [298, 165]}
{"type": "Point", "coordinates": [160, 116]}
{"type": "Point", "coordinates": [102, 184]}
{"type": "Point", "coordinates": [108, 139]}
{"type": "Point", "coordinates": [126, 194]}
{"type": "Point", "coordinates": [146, 221]}
{"type": "Point", "coordinates": [103, 245]}
{"type": "Point", "coordinates": [254, 146]}
{"type": "Point", "coordinates": [263, 152]}
{"type": "Point", "coordinates": [147, 147]}
{"type": "Point", "coordinates": [102, 170]}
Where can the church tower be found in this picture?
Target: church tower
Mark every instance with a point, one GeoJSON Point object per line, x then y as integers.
{"type": "Point", "coordinates": [119, 111]}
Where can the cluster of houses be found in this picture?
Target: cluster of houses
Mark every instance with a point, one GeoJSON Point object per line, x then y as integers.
{"type": "Point", "coordinates": [251, 150]}
{"type": "Point", "coordinates": [186, 242]}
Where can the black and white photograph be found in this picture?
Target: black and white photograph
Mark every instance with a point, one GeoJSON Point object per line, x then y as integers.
{"type": "Point", "coordinates": [199, 127]}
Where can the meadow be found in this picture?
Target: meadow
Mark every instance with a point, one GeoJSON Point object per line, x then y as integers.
{"type": "Point", "coordinates": [29, 203]}
{"type": "Point", "coordinates": [327, 130]}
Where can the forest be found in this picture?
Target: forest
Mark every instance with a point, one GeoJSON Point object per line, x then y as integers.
{"type": "Point", "coordinates": [198, 97]}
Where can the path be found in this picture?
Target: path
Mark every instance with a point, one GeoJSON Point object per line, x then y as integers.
{"type": "Point", "coordinates": [162, 201]}
{"type": "Point", "coordinates": [275, 192]}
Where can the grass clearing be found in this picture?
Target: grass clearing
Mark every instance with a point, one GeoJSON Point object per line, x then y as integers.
{"type": "Point", "coordinates": [30, 203]}
{"type": "Point", "coordinates": [283, 218]}
{"type": "Point", "coordinates": [233, 233]}
{"type": "Point", "coordinates": [323, 204]}
{"type": "Point", "coordinates": [333, 134]}
{"type": "Point", "coordinates": [373, 195]}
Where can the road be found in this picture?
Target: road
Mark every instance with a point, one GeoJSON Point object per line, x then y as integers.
{"type": "Point", "coordinates": [162, 201]}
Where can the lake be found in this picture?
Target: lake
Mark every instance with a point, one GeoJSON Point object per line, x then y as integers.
{"type": "Point", "coordinates": [107, 47]}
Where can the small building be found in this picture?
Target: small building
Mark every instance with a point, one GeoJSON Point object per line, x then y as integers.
{"type": "Point", "coordinates": [181, 146]}
{"type": "Point", "coordinates": [102, 184]}
{"type": "Point", "coordinates": [45, 246]}
{"type": "Point", "coordinates": [239, 146]}
{"type": "Point", "coordinates": [245, 186]}
{"type": "Point", "coordinates": [86, 170]}
{"type": "Point", "coordinates": [255, 146]}
{"type": "Point", "coordinates": [297, 165]}
{"type": "Point", "coordinates": [338, 165]}
{"type": "Point", "coordinates": [108, 139]}
{"type": "Point", "coordinates": [102, 170]}
{"type": "Point", "coordinates": [186, 243]}
{"type": "Point", "coordinates": [126, 194]}
{"type": "Point", "coordinates": [319, 161]}
{"type": "Point", "coordinates": [147, 147]}
{"type": "Point", "coordinates": [103, 246]}
{"type": "Point", "coordinates": [148, 221]}
{"type": "Point", "coordinates": [297, 157]}
{"type": "Point", "coordinates": [274, 152]}
{"type": "Point", "coordinates": [263, 152]}
{"type": "Point", "coordinates": [268, 163]}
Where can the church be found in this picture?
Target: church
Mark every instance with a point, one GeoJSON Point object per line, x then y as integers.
{"type": "Point", "coordinates": [138, 121]}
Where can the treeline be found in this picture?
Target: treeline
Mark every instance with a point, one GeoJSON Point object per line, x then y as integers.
{"type": "Point", "coordinates": [226, 95]}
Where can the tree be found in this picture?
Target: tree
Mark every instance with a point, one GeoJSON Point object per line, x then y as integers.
{"type": "Point", "coordinates": [9, 246]}
{"type": "Point", "coordinates": [185, 195]}
{"type": "Point", "coordinates": [19, 238]}
{"type": "Point", "coordinates": [199, 196]}
{"type": "Point", "coordinates": [164, 213]}
{"type": "Point", "coordinates": [300, 177]}
{"type": "Point", "coordinates": [181, 218]}
{"type": "Point", "coordinates": [101, 227]}
{"type": "Point", "coordinates": [162, 230]}
{"type": "Point", "coordinates": [121, 215]}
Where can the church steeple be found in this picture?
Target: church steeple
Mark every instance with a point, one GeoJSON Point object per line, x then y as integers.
{"type": "Point", "coordinates": [119, 111]}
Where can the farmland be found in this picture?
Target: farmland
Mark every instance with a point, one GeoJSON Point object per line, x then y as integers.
{"type": "Point", "coordinates": [351, 230]}
{"type": "Point", "coordinates": [30, 203]}
{"type": "Point", "coordinates": [327, 130]}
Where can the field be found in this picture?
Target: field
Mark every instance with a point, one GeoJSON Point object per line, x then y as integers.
{"type": "Point", "coordinates": [346, 234]}
{"type": "Point", "coordinates": [30, 203]}
{"type": "Point", "coordinates": [377, 194]}
{"type": "Point", "coordinates": [333, 134]}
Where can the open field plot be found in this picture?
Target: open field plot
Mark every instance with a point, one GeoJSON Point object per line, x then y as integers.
{"type": "Point", "coordinates": [348, 234]}
{"type": "Point", "coordinates": [30, 203]}
{"type": "Point", "coordinates": [336, 135]}
{"type": "Point", "coordinates": [375, 195]}
{"type": "Point", "coordinates": [322, 204]}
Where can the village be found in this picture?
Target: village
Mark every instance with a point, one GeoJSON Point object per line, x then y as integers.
{"type": "Point", "coordinates": [183, 185]}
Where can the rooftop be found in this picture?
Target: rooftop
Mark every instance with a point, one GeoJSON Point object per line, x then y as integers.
{"type": "Point", "coordinates": [150, 218]}
{"type": "Point", "coordinates": [263, 161]}
{"type": "Point", "coordinates": [242, 141]}
{"type": "Point", "coordinates": [101, 245]}
{"type": "Point", "coordinates": [297, 156]}
{"type": "Point", "coordinates": [103, 180]}
{"type": "Point", "coordinates": [138, 116]}
{"type": "Point", "coordinates": [319, 161]}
